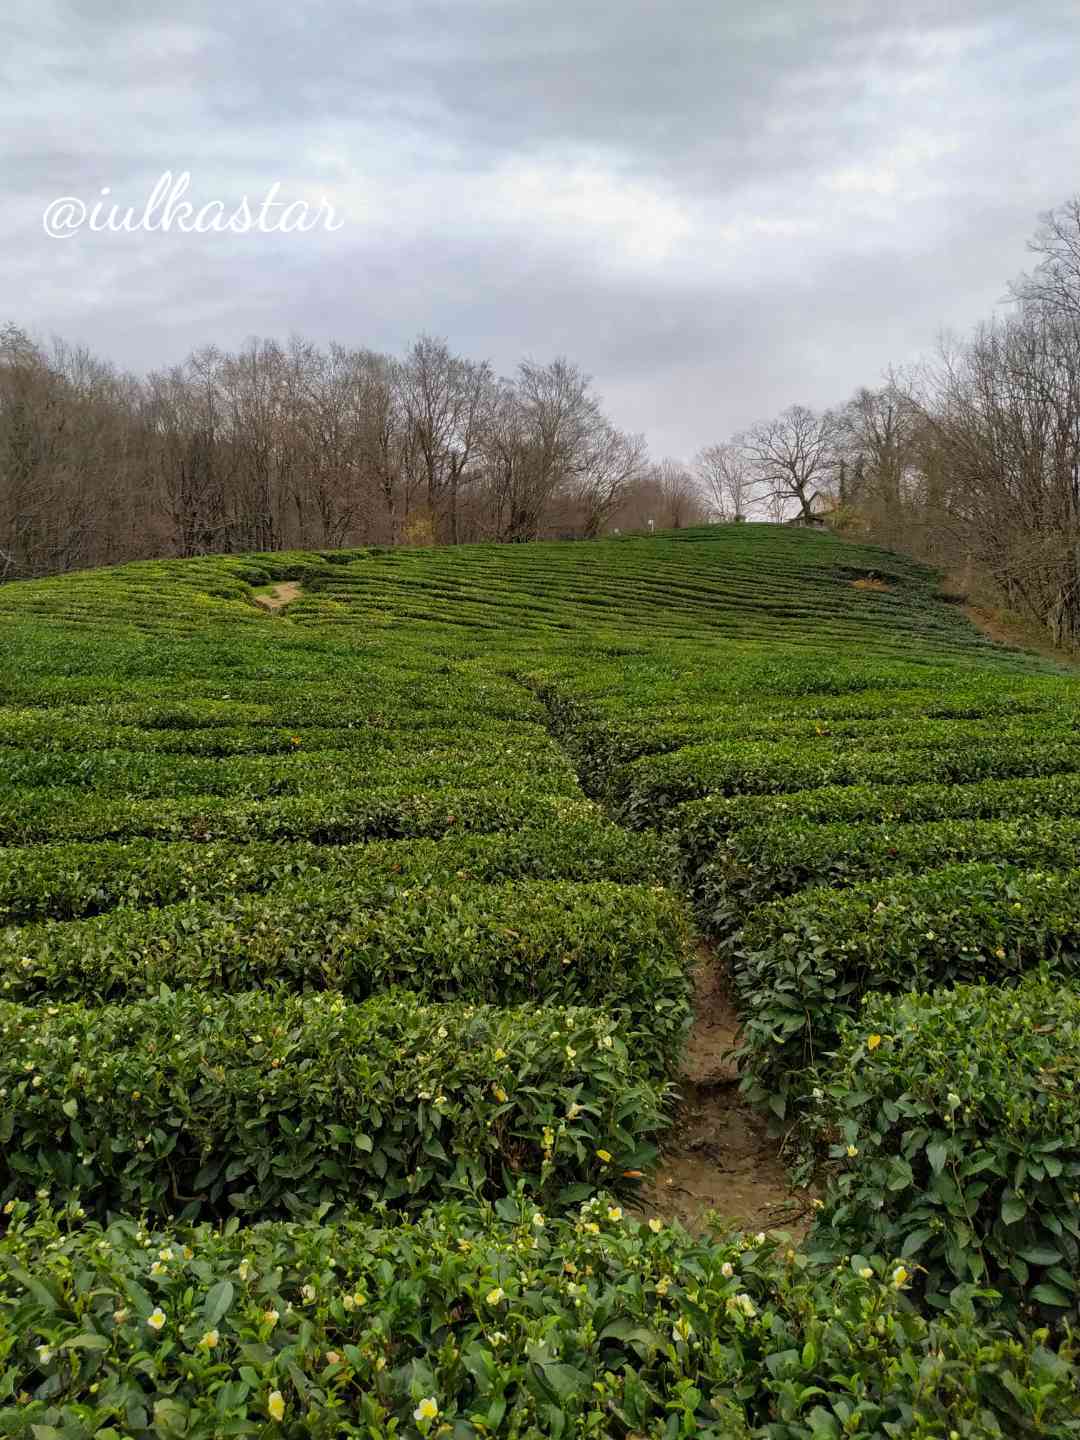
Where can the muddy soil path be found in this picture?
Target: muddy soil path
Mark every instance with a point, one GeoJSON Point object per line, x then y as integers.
{"type": "Point", "coordinates": [280, 595]}
{"type": "Point", "coordinates": [718, 1157]}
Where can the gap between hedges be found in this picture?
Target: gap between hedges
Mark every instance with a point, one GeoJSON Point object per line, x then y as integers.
{"type": "Point", "coordinates": [718, 1155]}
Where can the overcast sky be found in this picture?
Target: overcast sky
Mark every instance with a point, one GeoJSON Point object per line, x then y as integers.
{"type": "Point", "coordinates": [716, 207]}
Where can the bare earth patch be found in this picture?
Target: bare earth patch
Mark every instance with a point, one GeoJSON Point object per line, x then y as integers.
{"type": "Point", "coordinates": [869, 582]}
{"type": "Point", "coordinates": [989, 624]}
{"type": "Point", "coordinates": [718, 1156]}
{"type": "Point", "coordinates": [278, 596]}
{"type": "Point", "coordinates": [1017, 634]}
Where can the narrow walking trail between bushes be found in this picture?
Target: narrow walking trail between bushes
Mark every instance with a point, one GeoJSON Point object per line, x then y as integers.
{"type": "Point", "coordinates": [718, 1156]}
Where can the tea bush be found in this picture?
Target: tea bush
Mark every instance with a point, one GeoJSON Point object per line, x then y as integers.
{"type": "Point", "coordinates": [702, 825]}
{"type": "Point", "coordinates": [80, 878]}
{"type": "Point", "coordinates": [649, 787]}
{"type": "Point", "coordinates": [265, 1103]}
{"type": "Point", "coordinates": [956, 1124]}
{"type": "Point", "coordinates": [376, 787]}
{"type": "Point", "coordinates": [495, 1324]}
{"type": "Point", "coordinates": [38, 815]}
{"type": "Point", "coordinates": [606, 747]}
{"type": "Point", "coordinates": [777, 858]}
{"type": "Point", "coordinates": [807, 961]}
{"type": "Point", "coordinates": [136, 773]}
{"type": "Point", "coordinates": [623, 949]}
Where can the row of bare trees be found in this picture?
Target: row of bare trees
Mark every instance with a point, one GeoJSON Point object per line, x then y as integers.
{"type": "Point", "coordinates": [280, 446]}
{"type": "Point", "coordinates": [970, 460]}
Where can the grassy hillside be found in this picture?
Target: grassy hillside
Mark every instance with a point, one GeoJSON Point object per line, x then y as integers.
{"type": "Point", "coordinates": [348, 952]}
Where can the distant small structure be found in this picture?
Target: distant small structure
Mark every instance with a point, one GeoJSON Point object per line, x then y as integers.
{"type": "Point", "coordinates": [818, 519]}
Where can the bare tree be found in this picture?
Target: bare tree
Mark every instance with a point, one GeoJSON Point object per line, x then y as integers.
{"type": "Point", "coordinates": [793, 457]}
{"type": "Point", "coordinates": [1005, 418]}
{"type": "Point", "coordinates": [181, 409]}
{"type": "Point", "coordinates": [725, 476]}
{"type": "Point", "coordinates": [445, 399]}
{"type": "Point", "coordinates": [67, 457]}
{"type": "Point", "coordinates": [612, 463]}
{"type": "Point", "coordinates": [281, 445]}
{"type": "Point", "coordinates": [875, 456]}
{"type": "Point", "coordinates": [537, 442]}
{"type": "Point", "coordinates": [679, 494]}
{"type": "Point", "coordinates": [1054, 284]}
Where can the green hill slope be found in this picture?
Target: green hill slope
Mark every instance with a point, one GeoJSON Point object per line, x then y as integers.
{"type": "Point", "coordinates": [314, 918]}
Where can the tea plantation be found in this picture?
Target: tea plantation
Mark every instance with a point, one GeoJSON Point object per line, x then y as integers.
{"type": "Point", "coordinates": [347, 959]}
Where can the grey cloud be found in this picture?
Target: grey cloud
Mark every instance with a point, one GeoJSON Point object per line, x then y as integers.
{"type": "Point", "coordinates": [778, 200]}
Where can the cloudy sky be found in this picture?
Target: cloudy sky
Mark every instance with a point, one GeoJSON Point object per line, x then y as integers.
{"type": "Point", "coordinates": [716, 207]}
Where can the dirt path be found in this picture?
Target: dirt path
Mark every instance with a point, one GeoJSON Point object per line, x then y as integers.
{"type": "Point", "coordinates": [279, 595]}
{"type": "Point", "coordinates": [1018, 635]}
{"type": "Point", "coordinates": [718, 1156]}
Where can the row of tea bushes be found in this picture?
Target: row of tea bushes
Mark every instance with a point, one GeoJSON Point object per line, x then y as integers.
{"type": "Point", "coordinates": [703, 825]}
{"type": "Point", "coordinates": [67, 881]}
{"type": "Point", "coordinates": [606, 749]}
{"type": "Point", "coordinates": [470, 1322]}
{"type": "Point", "coordinates": [645, 791]}
{"type": "Point", "coordinates": [858, 848]}
{"type": "Point", "coordinates": [266, 1103]}
{"type": "Point", "coordinates": [377, 737]}
{"type": "Point", "coordinates": [136, 773]}
{"type": "Point", "coordinates": [625, 949]}
{"type": "Point", "coordinates": [762, 862]}
{"type": "Point", "coordinates": [955, 1122]}
{"type": "Point", "coordinates": [407, 665]}
{"type": "Point", "coordinates": [808, 961]}
{"type": "Point", "coordinates": [346, 817]}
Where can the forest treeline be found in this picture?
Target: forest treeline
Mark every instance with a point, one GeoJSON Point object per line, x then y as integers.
{"type": "Point", "coordinates": [280, 446]}
{"type": "Point", "coordinates": [969, 460]}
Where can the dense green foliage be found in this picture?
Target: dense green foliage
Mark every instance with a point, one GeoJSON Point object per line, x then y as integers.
{"type": "Point", "coordinates": [68, 881]}
{"type": "Point", "coordinates": [808, 961]}
{"type": "Point", "coordinates": [956, 1127]}
{"type": "Point", "coordinates": [703, 824]}
{"type": "Point", "coordinates": [649, 787]}
{"type": "Point", "coordinates": [524, 1325]}
{"type": "Point", "coordinates": [341, 911]}
{"type": "Point", "coordinates": [621, 948]}
{"type": "Point", "coordinates": [194, 1103]}
{"type": "Point", "coordinates": [759, 862]}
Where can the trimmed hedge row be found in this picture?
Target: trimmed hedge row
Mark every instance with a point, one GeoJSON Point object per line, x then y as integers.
{"type": "Point", "coordinates": [602, 741]}
{"type": "Point", "coordinates": [81, 878]}
{"type": "Point", "coordinates": [955, 1119]}
{"type": "Point", "coordinates": [625, 949]}
{"type": "Point", "coordinates": [66, 731]}
{"type": "Point", "coordinates": [346, 817]}
{"type": "Point", "coordinates": [702, 825]}
{"type": "Point", "coordinates": [269, 1103]}
{"type": "Point", "coordinates": [465, 1323]}
{"type": "Point", "coordinates": [412, 702]}
{"type": "Point", "coordinates": [759, 862]}
{"type": "Point", "coordinates": [602, 746]}
{"type": "Point", "coordinates": [645, 791]}
{"type": "Point", "coordinates": [806, 962]}
{"type": "Point", "coordinates": [369, 737]}
{"type": "Point", "coordinates": [67, 882]}
{"type": "Point", "coordinates": [138, 773]}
